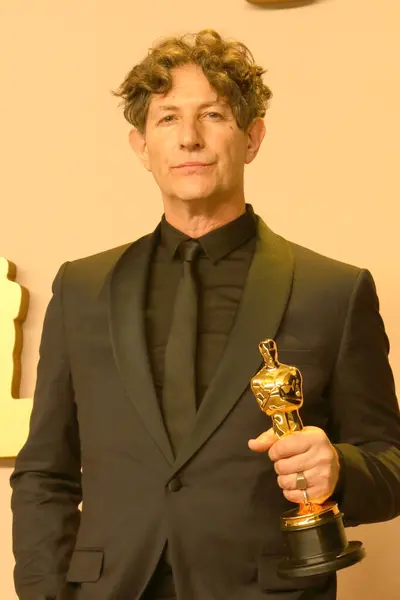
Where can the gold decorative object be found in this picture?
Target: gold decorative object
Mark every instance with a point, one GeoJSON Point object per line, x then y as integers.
{"type": "Point", "coordinates": [14, 412]}
{"type": "Point", "coordinates": [314, 533]}
{"type": "Point", "coordinates": [281, 3]}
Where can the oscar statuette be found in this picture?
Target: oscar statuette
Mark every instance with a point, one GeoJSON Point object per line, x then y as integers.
{"type": "Point", "coordinates": [314, 534]}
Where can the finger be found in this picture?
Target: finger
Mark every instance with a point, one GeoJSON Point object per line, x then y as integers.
{"type": "Point", "coordinates": [263, 442]}
{"type": "Point", "coordinates": [289, 466]}
{"type": "Point", "coordinates": [289, 482]}
{"type": "Point", "coordinates": [291, 445]}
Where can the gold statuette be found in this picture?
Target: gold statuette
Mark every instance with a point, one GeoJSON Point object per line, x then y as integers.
{"type": "Point", "coordinates": [279, 391]}
{"type": "Point", "coordinates": [314, 533]}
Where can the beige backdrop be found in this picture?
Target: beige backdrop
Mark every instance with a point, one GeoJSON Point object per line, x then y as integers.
{"type": "Point", "coordinates": [326, 176]}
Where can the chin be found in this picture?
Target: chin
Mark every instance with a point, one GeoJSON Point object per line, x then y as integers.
{"type": "Point", "coordinates": [192, 195]}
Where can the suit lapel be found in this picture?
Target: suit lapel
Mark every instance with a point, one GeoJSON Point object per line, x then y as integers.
{"type": "Point", "coordinates": [127, 288]}
{"type": "Point", "coordinates": [262, 307]}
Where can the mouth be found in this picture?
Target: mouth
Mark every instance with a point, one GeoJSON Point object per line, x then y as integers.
{"type": "Point", "coordinates": [192, 167]}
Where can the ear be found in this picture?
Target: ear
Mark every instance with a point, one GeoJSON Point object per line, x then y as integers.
{"type": "Point", "coordinates": [255, 133]}
{"type": "Point", "coordinates": [137, 142]}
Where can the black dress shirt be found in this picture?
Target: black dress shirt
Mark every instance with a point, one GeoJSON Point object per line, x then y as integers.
{"type": "Point", "coordinates": [221, 270]}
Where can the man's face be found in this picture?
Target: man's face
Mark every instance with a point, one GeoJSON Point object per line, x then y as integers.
{"type": "Point", "coordinates": [190, 124]}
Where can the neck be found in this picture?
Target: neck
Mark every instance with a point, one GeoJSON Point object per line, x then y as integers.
{"type": "Point", "coordinates": [272, 364]}
{"type": "Point", "coordinates": [198, 218]}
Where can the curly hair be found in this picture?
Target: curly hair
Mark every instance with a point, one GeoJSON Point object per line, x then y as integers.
{"type": "Point", "coordinates": [228, 65]}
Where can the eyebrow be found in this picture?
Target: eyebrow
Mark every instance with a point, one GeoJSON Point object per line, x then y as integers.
{"type": "Point", "coordinates": [166, 107]}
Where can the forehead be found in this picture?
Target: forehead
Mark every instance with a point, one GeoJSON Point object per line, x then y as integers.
{"type": "Point", "coordinates": [189, 87]}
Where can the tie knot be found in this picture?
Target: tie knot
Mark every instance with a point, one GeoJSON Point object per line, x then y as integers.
{"type": "Point", "coordinates": [189, 249]}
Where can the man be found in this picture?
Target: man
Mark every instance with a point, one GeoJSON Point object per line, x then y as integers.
{"type": "Point", "coordinates": [143, 407]}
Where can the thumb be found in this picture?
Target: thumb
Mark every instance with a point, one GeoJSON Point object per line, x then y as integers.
{"type": "Point", "coordinates": [263, 442]}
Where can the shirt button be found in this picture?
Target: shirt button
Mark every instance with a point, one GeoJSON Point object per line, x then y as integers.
{"type": "Point", "coordinates": [175, 485]}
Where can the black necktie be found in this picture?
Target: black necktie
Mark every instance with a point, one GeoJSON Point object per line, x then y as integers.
{"type": "Point", "coordinates": [179, 389]}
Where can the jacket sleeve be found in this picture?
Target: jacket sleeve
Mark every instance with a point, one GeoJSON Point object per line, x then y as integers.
{"type": "Point", "coordinates": [365, 413]}
{"type": "Point", "coordinates": [46, 481]}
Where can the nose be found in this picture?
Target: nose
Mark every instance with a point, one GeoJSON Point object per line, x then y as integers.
{"type": "Point", "coordinates": [190, 136]}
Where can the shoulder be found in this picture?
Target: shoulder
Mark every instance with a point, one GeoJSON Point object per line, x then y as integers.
{"type": "Point", "coordinates": [331, 287]}
{"type": "Point", "coordinates": [308, 265]}
{"type": "Point", "coordinates": [305, 258]}
{"type": "Point", "coordinates": [324, 274]}
{"type": "Point", "coordinates": [92, 270]}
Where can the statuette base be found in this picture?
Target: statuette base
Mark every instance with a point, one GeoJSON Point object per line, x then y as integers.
{"type": "Point", "coordinates": [316, 543]}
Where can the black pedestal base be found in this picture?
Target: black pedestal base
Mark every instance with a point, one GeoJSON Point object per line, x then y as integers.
{"type": "Point", "coordinates": [292, 568]}
{"type": "Point", "coordinates": [316, 542]}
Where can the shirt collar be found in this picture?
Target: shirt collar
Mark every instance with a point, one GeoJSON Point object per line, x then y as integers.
{"type": "Point", "coordinates": [216, 243]}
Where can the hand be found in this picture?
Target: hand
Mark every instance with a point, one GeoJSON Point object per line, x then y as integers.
{"type": "Point", "coordinates": [309, 451]}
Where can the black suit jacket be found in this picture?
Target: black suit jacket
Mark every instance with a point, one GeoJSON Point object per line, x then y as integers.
{"type": "Point", "coordinates": [218, 503]}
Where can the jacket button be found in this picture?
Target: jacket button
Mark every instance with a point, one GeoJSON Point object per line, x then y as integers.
{"type": "Point", "coordinates": [175, 485]}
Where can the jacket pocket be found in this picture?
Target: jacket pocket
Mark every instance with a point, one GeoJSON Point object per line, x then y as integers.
{"type": "Point", "coordinates": [270, 581]}
{"type": "Point", "coordinates": [85, 566]}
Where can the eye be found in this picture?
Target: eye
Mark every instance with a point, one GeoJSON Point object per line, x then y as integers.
{"type": "Point", "coordinates": [165, 118]}
{"type": "Point", "coordinates": [168, 118]}
{"type": "Point", "coordinates": [215, 113]}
